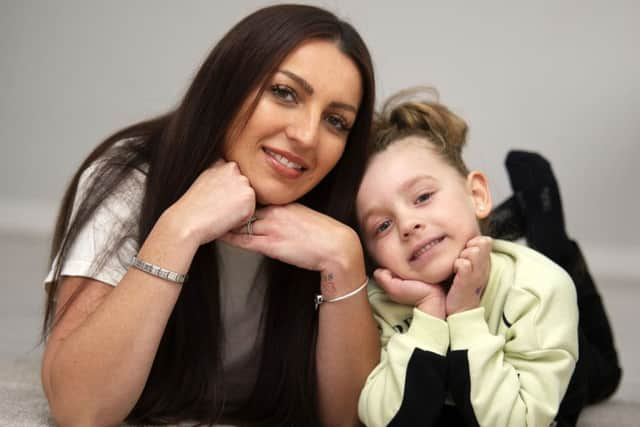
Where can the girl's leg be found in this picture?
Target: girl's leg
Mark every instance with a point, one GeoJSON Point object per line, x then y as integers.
{"type": "Point", "coordinates": [535, 213]}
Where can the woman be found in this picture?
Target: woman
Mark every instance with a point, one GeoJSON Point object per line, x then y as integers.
{"type": "Point", "coordinates": [264, 153]}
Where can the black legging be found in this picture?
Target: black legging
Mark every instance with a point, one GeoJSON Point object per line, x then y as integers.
{"type": "Point", "coordinates": [598, 371]}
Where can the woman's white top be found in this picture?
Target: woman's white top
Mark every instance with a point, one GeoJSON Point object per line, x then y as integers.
{"type": "Point", "coordinates": [242, 295]}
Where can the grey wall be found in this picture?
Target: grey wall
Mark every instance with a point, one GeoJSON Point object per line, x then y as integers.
{"type": "Point", "coordinates": [562, 78]}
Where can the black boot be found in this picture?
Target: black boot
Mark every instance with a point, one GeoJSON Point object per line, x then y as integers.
{"type": "Point", "coordinates": [506, 221]}
{"type": "Point", "coordinates": [598, 349]}
{"type": "Point", "coordinates": [538, 197]}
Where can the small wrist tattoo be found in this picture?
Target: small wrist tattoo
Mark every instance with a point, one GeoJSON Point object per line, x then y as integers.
{"type": "Point", "coordinates": [479, 290]}
{"type": "Point", "coordinates": [326, 277]}
{"type": "Point", "coordinates": [327, 285]}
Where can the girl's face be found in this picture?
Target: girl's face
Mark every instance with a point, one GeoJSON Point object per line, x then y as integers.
{"type": "Point", "coordinates": [416, 212]}
{"type": "Point", "coordinates": [300, 125]}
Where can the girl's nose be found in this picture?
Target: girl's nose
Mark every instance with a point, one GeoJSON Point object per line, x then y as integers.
{"type": "Point", "coordinates": [411, 227]}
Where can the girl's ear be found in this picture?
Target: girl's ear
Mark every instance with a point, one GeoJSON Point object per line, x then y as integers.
{"type": "Point", "coordinates": [478, 186]}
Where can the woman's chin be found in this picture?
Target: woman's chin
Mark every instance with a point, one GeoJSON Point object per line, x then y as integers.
{"type": "Point", "coordinates": [274, 198]}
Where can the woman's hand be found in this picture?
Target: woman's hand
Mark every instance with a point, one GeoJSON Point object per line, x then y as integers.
{"type": "Point", "coordinates": [471, 269]}
{"type": "Point", "coordinates": [298, 235]}
{"type": "Point", "coordinates": [426, 297]}
{"type": "Point", "coordinates": [219, 200]}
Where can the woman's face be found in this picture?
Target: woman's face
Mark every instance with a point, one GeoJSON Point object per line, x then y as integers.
{"type": "Point", "coordinates": [300, 125]}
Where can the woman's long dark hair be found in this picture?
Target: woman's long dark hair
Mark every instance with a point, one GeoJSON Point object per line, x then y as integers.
{"type": "Point", "coordinates": [185, 380]}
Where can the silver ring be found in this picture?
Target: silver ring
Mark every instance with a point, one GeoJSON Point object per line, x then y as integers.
{"type": "Point", "coordinates": [250, 224]}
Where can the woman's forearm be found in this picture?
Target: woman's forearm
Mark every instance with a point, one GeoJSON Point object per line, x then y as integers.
{"type": "Point", "coordinates": [97, 361]}
{"type": "Point", "coordinates": [348, 348]}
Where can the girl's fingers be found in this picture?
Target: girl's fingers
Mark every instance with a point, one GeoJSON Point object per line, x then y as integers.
{"type": "Point", "coordinates": [384, 278]}
{"type": "Point", "coordinates": [478, 253]}
{"type": "Point", "coordinates": [480, 241]}
{"type": "Point", "coordinates": [462, 266]}
{"type": "Point", "coordinates": [406, 291]}
{"type": "Point", "coordinates": [471, 253]}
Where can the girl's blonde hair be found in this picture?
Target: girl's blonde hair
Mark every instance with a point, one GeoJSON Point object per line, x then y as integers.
{"type": "Point", "coordinates": [403, 115]}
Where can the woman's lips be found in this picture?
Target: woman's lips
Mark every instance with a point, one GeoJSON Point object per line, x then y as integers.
{"type": "Point", "coordinates": [284, 163]}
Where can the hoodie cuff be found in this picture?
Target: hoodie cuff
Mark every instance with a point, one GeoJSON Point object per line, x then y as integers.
{"type": "Point", "coordinates": [467, 328]}
{"type": "Point", "coordinates": [429, 333]}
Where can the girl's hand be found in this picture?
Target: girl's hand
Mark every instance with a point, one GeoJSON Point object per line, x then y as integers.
{"type": "Point", "coordinates": [471, 269]}
{"type": "Point", "coordinates": [298, 235]}
{"type": "Point", "coordinates": [219, 200]}
{"type": "Point", "coordinates": [426, 297]}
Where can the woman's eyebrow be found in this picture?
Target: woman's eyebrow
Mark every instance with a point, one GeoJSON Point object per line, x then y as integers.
{"type": "Point", "coordinates": [343, 106]}
{"type": "Point", "coordinates": [309, 89]}
{"type": "Point", "coordinates": [302, 82]}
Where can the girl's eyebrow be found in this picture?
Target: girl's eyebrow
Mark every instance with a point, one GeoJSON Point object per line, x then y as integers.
{"type": "Point", "coordinates": [309, 90]}
{"type": "Point", "coordinates": [406, 186]}
{"type": "Point", "coordinates": [370, 211]}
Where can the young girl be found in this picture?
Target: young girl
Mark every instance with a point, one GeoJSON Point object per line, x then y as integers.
{"type": "Point", "coordinates": [474, 331]}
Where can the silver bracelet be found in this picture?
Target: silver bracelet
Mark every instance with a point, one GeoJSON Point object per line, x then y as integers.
{"type": "Point", "coordinates": [160, 272]}
{"type": "Point", "coordinates": [320, 299]}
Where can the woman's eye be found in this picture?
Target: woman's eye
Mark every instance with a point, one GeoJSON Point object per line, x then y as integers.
{"type": "Point", "coordinates": [382, 226]}
{"type": "Point", "coordinates": [284, 93]}
{"type": "Point", "coordinates": [338, 123]}
{"type": "Point", "coordinates": [423, 197]}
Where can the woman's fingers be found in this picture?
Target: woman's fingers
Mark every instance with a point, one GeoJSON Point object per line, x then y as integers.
{"type": "Point", "coordinates": [219, 200]}
{"type": "Point", "coordinates": [292, 233]}
{"type": "Point", "coordinates": [246, 241]}
{"type": "Point", "coordinates": [251, 227]}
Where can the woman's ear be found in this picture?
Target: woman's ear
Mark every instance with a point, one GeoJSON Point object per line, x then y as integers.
{"type": "Point", "coordinates": [478, 186]}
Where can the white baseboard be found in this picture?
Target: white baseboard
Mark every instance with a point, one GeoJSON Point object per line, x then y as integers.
{"type": "Point", "coordinates": [613, 262]}
{"type": "Point", "coordinates": [30, 217]}
{"type": "Point", "coordinates": [37, 218]}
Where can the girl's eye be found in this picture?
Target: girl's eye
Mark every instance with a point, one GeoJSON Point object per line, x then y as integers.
{"type": "Point", "coordinates": [383, 226]}
{"type": "Point", "coordinates": [284, 93]}
{"type": "Point", "coordinates": [338, 123]}
{"type": "Point", "coordinates": [423, 197]}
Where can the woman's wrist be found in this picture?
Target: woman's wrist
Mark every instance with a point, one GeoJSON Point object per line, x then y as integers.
{"type": "Point", "coordinates": [169, 245]}
{"type": "Point", "coordinates": [345, 270]}
{"type": "Point", "coordinates": [173, 227]}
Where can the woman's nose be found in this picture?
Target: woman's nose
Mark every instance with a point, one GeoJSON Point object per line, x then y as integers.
{"type": "Point", "coordinates": [304, 129]}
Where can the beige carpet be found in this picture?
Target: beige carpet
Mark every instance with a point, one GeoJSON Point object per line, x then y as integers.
{"type": "Point", "coordinates": [22, 403]}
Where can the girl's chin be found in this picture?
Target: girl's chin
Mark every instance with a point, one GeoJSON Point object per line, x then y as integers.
{"type": "Point", "coordinates": [444, 279]}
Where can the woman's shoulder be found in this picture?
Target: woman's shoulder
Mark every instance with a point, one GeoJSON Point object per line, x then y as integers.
{"type": "Point", "coordinates": [109, 199]}
{"type": "Point", "coordinates": [101, 172]}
